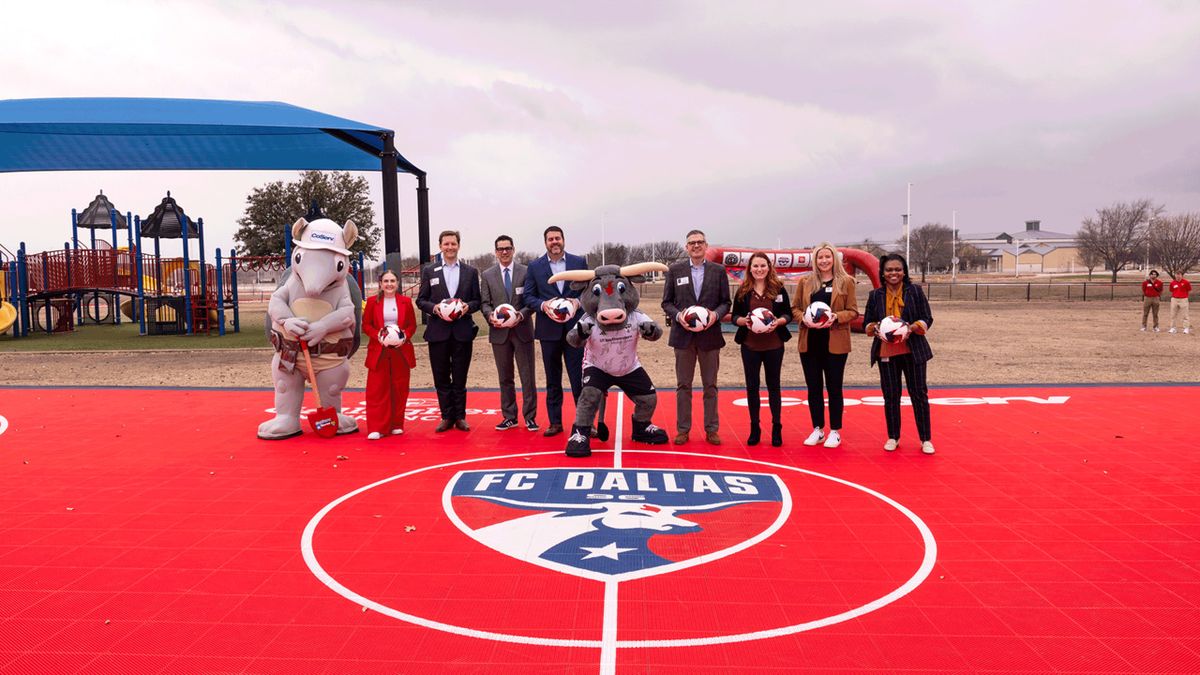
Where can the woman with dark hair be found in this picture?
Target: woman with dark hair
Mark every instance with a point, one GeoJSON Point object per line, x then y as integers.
{"type": "Point", "coordinates": [907, 353]}
{"type": "Point", "coordinates": [825, 345]}
{"type": "Point", "coordinates": [388, 318]}
{"type": "Point", "coordinates": [762, 344]}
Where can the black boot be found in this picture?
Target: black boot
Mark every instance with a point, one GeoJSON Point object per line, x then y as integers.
{"type": "Point", "coordinates": [645, 432]}
{"type": "Point", "coordinates": [777, 434]}
{"type": "Point", "coordinates": [755, 433]}
{"type": "Point", "coordinates": [579, 444]}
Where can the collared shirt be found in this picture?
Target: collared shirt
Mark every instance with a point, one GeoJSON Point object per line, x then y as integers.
{"type": "Point", "coordinates": [1181, 288]}
{"type": "Point", "coordinates": [697, 278]}
{"type": "Point", "coordinates": [558, 266]}
{"type": "Point", "coordinates": [450, 273]}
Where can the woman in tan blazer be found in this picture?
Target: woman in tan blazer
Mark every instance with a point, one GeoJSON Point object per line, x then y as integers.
{"type": "Point", "coordinates": [825, 346]}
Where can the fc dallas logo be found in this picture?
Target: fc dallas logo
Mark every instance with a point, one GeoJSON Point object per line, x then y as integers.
{"type": "Point", "coordinates": [613, 524]}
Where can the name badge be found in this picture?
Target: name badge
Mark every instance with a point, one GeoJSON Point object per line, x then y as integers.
{"type": "Point", "coordinates": [438, 268]}
{"type": "Point", "coordinates": [829, 289]}
{"type": "Point", "coordinates": [681, 281]}
{"type": "Point", "coordinates": [519, 290]}
{"type": "Point", "coordinates": [434, 281]}
{"type": "Point", "coordinates": [779, 298]}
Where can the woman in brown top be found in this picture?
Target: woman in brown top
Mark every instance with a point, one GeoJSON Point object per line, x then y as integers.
{"type": "Point", "coordinates": [762, 348]}
{"type": "Point", "coordinates": [825, 346]}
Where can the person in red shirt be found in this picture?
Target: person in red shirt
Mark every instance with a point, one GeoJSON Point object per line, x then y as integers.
{"type": "Point", "coordinates": [1151, 291]}
{"type": "Point", "coordinates": [1180, 288]}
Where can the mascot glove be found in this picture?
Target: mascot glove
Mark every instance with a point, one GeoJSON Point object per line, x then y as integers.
{"type": "Point", "coordinates": [314, 334]}
{"type": "Point", "coordinates": [584, 327]}
{"type": "Point", "coordinates": [295, 325]}
{"type": "Point", "coordinates": [647, 328]}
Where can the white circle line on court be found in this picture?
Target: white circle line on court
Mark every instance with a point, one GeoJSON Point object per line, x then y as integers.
{"type": "Point", "coordinates": [3, 424]}
{"type": "Point", "coordinates": [923, 571]}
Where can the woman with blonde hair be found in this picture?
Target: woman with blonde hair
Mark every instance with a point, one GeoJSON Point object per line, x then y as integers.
{"type": "Point", "coordinates": [824, 345]}
{"type": "Point", "coordinates": [389, 321]}
{"type": "Point", "coordinates": [762, 344]}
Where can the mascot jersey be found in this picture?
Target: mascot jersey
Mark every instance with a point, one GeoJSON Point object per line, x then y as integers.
{"type": "Point", "coordinates": [615, 350]}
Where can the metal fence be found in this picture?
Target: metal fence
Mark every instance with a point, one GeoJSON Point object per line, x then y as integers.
{"type": "Point", "coordinates": [1070, 291]}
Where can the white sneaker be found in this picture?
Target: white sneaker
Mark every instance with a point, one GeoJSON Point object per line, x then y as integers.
{"type": "Point", "coordinates": [1156, 329]}
{"type": "Point", "coordinates": [1186, 331]}
{"type": "Point", "coordinates": [397, 432]}
{"type": "Point", "coordinates": [815, 437]}
{"type": "Point", "coordinates": [374, 436]}
{"type": "Point", "coordinates": [891, 445]}
{"type": "Point", "coordinates": [1143, 329]}
{"type": "Point", "coordinates": [927, 447]}
{"type": "Point", "coordinates": [834, 439]}
{"type": "Point", "coordinates": [1172, 330]}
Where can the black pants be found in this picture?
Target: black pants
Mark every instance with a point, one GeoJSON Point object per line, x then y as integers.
{"type": "Point", "coordinates": [918, 394]}
{"type": "Point", "coordinates": [752, 363]}
{"type": "Point", "coordinates": [450, 361]}
{"type": "Point", "coordinates": [824, 372]}
{"type": "Point", "coordinates": [554, 354]}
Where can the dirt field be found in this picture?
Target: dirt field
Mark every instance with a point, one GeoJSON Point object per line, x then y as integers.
{"type": "Point", "coordinates": [973, 343]}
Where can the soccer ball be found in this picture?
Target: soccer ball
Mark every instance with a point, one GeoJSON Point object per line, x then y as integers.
{"type": "Point", "coordinates": [695, 318]}
{"type": "Point", "coordinates": [817, 313]}
{"type": "Point", "coordinates": [391, 336]}
{"type": "Point", "coordinates": [560, 309]}
{"type": "Point", "coordinates": [452, 309]}
{"type": "Point", "coordinates": [760, 320]}
{"type": "Point", "coordinates": [891, 328]}
{"type": "Point", "coordinates": [504, 314]}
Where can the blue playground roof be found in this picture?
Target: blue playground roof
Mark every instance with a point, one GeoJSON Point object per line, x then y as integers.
{"type": "Point", "coordinates": [102, 134]}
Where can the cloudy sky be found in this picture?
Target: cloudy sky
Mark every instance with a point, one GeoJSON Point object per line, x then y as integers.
{"type": "Point", "coordinates": [758, 122]}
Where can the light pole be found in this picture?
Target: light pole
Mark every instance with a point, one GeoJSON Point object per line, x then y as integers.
{"type": "Point", "coordinates": [1017, 259]}
{"type": "Point", "coordinates": [907, 221]}
{"type": "Point", "coordinates": [953, 246]}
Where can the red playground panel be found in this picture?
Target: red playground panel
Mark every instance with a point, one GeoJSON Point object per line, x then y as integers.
{"type": "Point", "coordinates": [1056, 529]}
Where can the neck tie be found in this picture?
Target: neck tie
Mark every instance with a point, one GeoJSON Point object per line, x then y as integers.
{"type": "Point", "coordinates": [507, 283]}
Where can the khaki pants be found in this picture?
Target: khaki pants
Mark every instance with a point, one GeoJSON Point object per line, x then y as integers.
{"type": "Point", "coordinates": [685, 373]}
{"type": "Point", "coordinates": [1179, 306]}
{"type": "Point", "coordinates": [1149, 305]}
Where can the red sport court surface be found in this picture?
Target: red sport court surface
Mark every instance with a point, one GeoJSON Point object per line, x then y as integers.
{"type": "Point", "coordinates": [1057, 529]}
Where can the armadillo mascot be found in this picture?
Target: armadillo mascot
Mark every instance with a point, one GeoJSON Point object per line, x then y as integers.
{"type": "Point", "coordinates": [609, 332]}
{"type": "Point", "coordinates": [313, 304]}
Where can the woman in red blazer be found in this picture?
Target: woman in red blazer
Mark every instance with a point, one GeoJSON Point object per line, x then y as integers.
{"type": "Point", "coordinates": [388, 368]}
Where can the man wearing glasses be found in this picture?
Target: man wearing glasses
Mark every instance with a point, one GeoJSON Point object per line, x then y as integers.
{"type": "Point", "coordinates": [696, 281]}
{"type": "Point", "coordinates": [512, 338]}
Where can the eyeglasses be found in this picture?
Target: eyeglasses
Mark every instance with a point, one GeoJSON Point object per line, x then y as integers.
{"type": "Point", "coordinates": [503, 249]}
{"type": "Point", "coordinates": [698, 242]}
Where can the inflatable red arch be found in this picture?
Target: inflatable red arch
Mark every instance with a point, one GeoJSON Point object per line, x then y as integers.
{"type": "Point", "coordinates": [796, 260]}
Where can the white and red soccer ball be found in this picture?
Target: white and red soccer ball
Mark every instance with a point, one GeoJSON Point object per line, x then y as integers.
{"type": "Point", "coordinates": [452, 309]}
{"type": "Point", "coordinates": [892, 329]}
{"type": "Point", "coordinates": [391, 336]}
{"type": "Point", "coordinates": [817, 313]}
{"type": "Point", "coordinates": [560, 309]}
{"type": "Point", "coordinates": [695, 318]}
{"type": "Point", "coordinates": [761, 319]}
{"type": "Point", "coordinates": [505, 315]}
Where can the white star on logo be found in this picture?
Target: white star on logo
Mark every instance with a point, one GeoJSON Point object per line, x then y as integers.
{"type": "Point", "coordinates": [610, 551]}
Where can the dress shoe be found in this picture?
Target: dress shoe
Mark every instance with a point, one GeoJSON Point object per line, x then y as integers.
{"type": "Point", "coordinates": [713, 438]}
{"type": "Point", "coordinates": [681, 438]}
{"type": "Point", "coordinates": [444, 425]}
{"type": "Point", "coordinates": [462, 425]}
{"type": "Point", "coordinates": [553, 430]}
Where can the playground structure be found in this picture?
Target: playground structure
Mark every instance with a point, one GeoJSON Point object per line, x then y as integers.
{"type": "Point", "coordinates": [790, 263]}
{"type": "Point", "coordinates": [54, 291]}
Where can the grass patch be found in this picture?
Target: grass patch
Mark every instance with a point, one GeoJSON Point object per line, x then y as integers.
{"type": "Point", "coordinates": [108, 337]}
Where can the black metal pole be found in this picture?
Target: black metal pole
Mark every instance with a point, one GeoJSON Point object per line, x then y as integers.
{"type": "Point", "coordinates": [422, 220]}
{"type": "Point", "coordinates": [391, 198]}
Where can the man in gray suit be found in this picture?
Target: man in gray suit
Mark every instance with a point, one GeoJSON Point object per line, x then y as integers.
{"type": "Point", "coordinates": [504, 283]}
{"type": "Point", "coordinates": [696, 281]}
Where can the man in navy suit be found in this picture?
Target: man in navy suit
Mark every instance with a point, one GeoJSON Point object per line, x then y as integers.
{"type": "Point", "coordinates": [450, 339]}
{"type": "Point", "coordinates": [551, 333]}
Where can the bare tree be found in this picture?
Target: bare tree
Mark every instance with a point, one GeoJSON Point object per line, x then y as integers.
{"type": "Point", "coordinates": [613, 254]}
{"type": "Point", "coordinates": [666, 251]}
{"type": "Point", "coordinates": [970, 258]}
{"type": "Point", "coordinates": [930, 245]}
{"type": "Point", "coordinates": [1175, 242]}
{"type": "Point", "coordinates": [1117, 233]}
{"type": "Point", "coordinates": [1090, 259]}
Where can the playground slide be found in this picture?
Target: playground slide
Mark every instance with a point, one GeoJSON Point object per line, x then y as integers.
{"type": "Point", "coordinates": [150, 286]}
{"type": "Point", "coordinates": [8, 315]}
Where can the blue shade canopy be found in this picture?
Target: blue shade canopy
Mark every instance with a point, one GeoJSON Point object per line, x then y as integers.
{"type": "Point", "coordinates": [103, 134]}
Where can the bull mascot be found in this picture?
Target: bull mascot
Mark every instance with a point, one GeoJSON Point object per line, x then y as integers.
{"type": "Point", "coordinates": [314, 304]}
{"type": "Point", "coordinates": [609, 332]}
